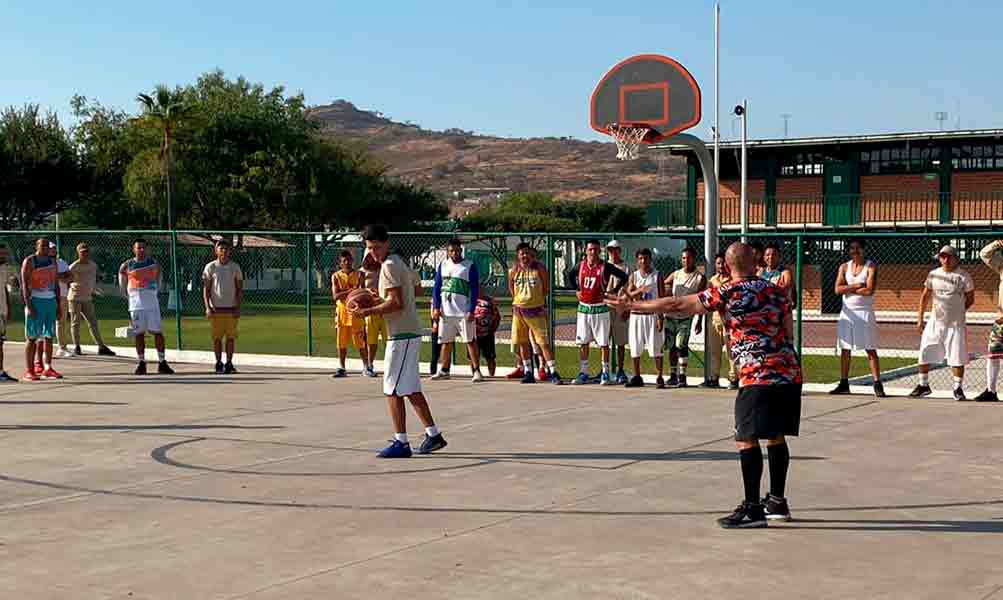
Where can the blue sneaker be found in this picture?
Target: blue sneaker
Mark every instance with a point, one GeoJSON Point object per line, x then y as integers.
{"type": "Point", "coordinates": [339, 373]}
{"type": "Point", "coordinates": [431, 444]}
{"type": "Point", "coordinates": [604, 378]}
{"type": "Point", "coordinates": [528, 377]}
{"type": "Point", "coordinates": [396, 449]}
{"type": "Point", "coordinates": [555, 378]}
{"type": "Point", "coordinates": [582, 379]}
{"type": "Point", "coordinates": [621, 378]}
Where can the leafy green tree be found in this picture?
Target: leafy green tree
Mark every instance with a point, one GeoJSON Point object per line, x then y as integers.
{"type": "Point", "coordinates": [165, 112]}
{"type": "Point", "coordinates": [39, 171]}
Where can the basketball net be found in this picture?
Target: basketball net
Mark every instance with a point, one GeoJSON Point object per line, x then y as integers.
{"type": "Point", "coordinates": [628, 140]}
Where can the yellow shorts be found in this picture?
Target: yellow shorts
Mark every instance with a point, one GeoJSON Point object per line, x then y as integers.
{"type": "Point", "coordinates": [523, 325]}
{"type": "Point", "coordinates": [349, 333]}
{"type": "Point", "coordinates": [375, 327]}
{"type": "Point", "coordinates": [224, 326]}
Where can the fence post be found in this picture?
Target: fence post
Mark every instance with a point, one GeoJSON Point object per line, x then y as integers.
{"type": "Point", "coordinates": [800, 289]}
{"type": "Point", "coordinates": [177, 287]}
{"type": "Point", "coordinates": [309, 294]}
{"type": "Point", "coordinates": [551, 313]}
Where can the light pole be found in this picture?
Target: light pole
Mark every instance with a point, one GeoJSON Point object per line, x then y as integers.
{"type": "Point", "coordinates": [742, 110]}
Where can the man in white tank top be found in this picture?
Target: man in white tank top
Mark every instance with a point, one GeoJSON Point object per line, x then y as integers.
{"type": "Point", "coordinates": [645, 328]}
{"type": "Point", "coordinates": [684, 282]}
{"type": "Point", "coordinates": [857, 328]}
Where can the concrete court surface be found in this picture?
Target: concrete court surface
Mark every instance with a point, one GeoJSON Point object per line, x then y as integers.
{"type": "Point", "coordinates": [264, 485]}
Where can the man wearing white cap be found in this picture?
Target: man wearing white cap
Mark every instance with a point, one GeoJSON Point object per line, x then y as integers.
{"type": "Point", "coordinates": [618, 322]}
{"type": "Point", "coordinates": [944, 336]}
{"type": "Point", "coordinates": [992, 255]}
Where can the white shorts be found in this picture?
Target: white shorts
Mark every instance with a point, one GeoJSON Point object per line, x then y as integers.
{"type": "Point", "coordinates": [400, 367]}
{"type": "Point", "coordinates": [856, 330]}
{"type": "Point", "coordinates": [942, 341]}
{"type": "Point", "coordinates": [593, 327]}
{"type": "Point", "coordinates": [645, 336]}
{"type": "Point", "coordinates": [451, 328]}
{"type": "Point", "coordinates": [145, 320]}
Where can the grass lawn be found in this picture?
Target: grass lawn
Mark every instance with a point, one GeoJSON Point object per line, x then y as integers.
{"type": "Point", "coordinates": [281, 329]}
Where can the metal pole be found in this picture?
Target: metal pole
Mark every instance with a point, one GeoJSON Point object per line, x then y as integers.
{"type": "Point", "coordinates": [797, 279]}
{"type": "Point", "coordinates": [550, 292]}
{"type": "Point", "coordinates": [309, 294]}
{"type": "Point", "coordinates": [717, 87]}
{"type": "Point", "coordinates": [176, 276]}
{"type": "Point", "coordinates": [743, 190]}
{"type": "Point", "coordinates": [710, 215]}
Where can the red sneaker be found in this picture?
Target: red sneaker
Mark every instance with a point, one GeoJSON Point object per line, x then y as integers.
{"type": "Point", "coordinates": [30, 376]}
{"type": "Point", "coordinates": [517, 374]}
{"type": "Point", "coordinates": [39, 368]}
{"type": "Point", "coordinates": [51, 373]}
{"type": "Point", "coordinates": [541, 374]}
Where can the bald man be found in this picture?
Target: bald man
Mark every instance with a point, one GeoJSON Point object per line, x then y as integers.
{"type": "Point", "coordinates": [768, 407]}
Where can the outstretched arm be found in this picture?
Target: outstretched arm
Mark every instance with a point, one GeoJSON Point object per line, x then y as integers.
{"type": "Point", "coordinates": [683, 304]}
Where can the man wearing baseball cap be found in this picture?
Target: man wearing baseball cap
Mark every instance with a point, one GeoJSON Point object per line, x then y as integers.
{"type": "Point", "coordinates": [944, 336]}
{"type": "Point", "coordinates": [618, 322]}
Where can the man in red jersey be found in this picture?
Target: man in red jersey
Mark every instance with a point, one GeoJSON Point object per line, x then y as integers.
{"type": "Point", "coordinates": [594, 276]}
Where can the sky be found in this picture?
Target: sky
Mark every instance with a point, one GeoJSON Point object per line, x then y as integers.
{"type": "Point", "coordinates": [527, 68]}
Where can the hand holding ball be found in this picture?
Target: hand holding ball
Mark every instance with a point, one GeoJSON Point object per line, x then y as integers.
{"type": "Point", "coordinates": [360, 299]}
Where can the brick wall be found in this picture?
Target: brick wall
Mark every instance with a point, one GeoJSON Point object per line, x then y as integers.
{"type": "Point", "coordinates": [977, 195]}
{"type": "Point", "coordinates": [799, 200]}
{"type": "Point", "coordinates": [730, 208]}
{"type": "Point", "coordinates": [899, 198]}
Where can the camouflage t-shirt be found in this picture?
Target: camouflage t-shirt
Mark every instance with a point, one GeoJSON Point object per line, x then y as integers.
{"type": "Point", "coordinates": [753, 311]}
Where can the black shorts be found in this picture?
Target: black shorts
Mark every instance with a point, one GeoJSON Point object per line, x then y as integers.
{"type": "Point", "coordinates": [486, 346]}
{"type": "Point", "coordinates": [764, 412]}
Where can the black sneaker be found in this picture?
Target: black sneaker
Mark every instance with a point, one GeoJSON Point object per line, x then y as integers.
{"type": "Point", "coordinates": [229, 369]}
{"type": "Point", "coordinates": [842, 389]}
{"type": "Point", "coordinates": [105, 351]}
{"type": "Point", "coordinates": [5, 378]}
{"type": "Point", "coordinates": [164, 369]}
{"type": "Point", "coordinates": [746, 516]}
{"type": "Point", "coordinates": [919, 391]}
{"type": "Point", "coordinates": [682, 382]}
{"type": "Point", "coordinates": [776, 509]}
{"type": "Point", "coordinates": [733, 384]}
{"type": "Point", "coordinates": [140, 368]}
{"type": "Point", "coordinates": [219, 367]}
{"type": "Point", "coordinates": [673, 380]}
{"type": "Point", "coordinates": [879, 390]}
{"type": "Point", "coordinates": [959, 395]}
{"type": "Point", "coordinates": [711, 384]}
{"type": "Point", "coordinates": [431, 444]}
{"type": "Point", "coordinates": [660, 383]}
{"type": "Point", "coordinates": [987, 396]}
{"type": "Point", "coordinates": [77, 351]}
{"type": "Point", "coordinates": [635, 381]}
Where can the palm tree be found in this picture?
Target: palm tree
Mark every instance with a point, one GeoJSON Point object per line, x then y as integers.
{"type": "Point", "coordinates": [165, 111]}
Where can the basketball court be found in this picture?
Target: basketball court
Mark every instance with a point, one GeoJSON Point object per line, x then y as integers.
{"type": "Point", "coordinates": [265, 485]}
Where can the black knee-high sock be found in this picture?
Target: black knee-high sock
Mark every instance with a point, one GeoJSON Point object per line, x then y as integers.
{"type": "Point", "coordinates": [780, 458]}
{"type": "Point", "coordinates": [752, 472]}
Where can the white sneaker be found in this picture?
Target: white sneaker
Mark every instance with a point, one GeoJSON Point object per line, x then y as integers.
{"type": "Point", "coordinates": [63, 353]}
{"type": "Point", "coordinates": [440, 375]}
{"type": "Point", "coordinates": [477, 378]}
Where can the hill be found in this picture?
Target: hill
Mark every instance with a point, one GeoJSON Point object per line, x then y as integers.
{"type": "Point", "coordinates": [452, 160]}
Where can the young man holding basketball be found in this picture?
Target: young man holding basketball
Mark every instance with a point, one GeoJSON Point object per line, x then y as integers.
{"type": "Point", "coordinates": [768, 405]}
{"type": "Point", "coordinates": [376, 327]}
{"type": "Point", "coordinates": [350, 329]}
{"type": "Point", "coordinates": [401, 379]}
{"type": "Point", "coordinates": [992, 255]}
{"type": "Point", "coordinates": [683, 282]}
{"type": "Point", "coordinates": [645, 327]}
{"type": "Point", "coordinates": [528, 282]}
{"type": "Point", "coordinates": [594, 282]}
{"type": "Point", "coordinates": [454, 298]}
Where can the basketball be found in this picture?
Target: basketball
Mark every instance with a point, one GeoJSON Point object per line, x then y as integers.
{"type": "Point", "coordinates": [361, 298]}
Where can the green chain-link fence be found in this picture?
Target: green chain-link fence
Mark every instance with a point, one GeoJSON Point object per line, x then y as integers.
{"type": "Point", "coordinates": [288, 307]}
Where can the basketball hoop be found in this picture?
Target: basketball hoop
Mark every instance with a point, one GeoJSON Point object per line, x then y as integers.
{"type": "Point", "coordinates": [628, 140]}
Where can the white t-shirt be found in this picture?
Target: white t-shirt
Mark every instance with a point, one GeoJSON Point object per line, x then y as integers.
{"type": "Point", "coordinates": [62, 267]}
{"type": "Point", "coordinates": [949, 291]}
{"type": "Point", "coordinates": [223, 282]}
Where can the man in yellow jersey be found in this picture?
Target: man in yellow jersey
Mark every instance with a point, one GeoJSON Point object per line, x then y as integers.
{"type": "Point", "coordinates": [718, 334]}
{"type": "Point", "coordinates": [343, 282]}
{"type": "Point", "coordinates": [376, 327]}
{"type": "Point", "coordinates": [527, 284]}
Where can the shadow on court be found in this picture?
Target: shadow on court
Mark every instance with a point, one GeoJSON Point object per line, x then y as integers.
{"type": "Point", "coordinates": [904, 525]}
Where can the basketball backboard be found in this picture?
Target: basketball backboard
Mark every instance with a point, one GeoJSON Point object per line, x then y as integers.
{"type": "Point", "coordinates": [649, 91]}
